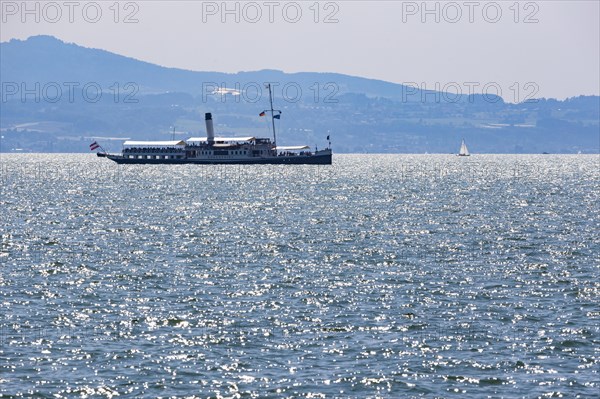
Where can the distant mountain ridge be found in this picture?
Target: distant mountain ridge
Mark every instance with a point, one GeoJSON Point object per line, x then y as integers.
{"type": "Point", "coordinates": [70, 62]}
{"type": "Point", "coordinates": [360, 115]}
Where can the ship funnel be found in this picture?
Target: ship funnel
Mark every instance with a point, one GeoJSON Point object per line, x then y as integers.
{"type": "Point", "coordinates": [210, 131]}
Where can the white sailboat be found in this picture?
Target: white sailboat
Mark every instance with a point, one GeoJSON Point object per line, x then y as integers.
{"type": "Point", "coordinates": [464, 151]}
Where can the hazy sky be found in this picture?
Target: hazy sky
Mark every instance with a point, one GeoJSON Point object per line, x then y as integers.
{"type": "Point", "coordinates": [525, 48]}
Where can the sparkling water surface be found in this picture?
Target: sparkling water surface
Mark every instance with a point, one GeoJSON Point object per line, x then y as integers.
{"type": "Point", "coordinates": [381, 276]}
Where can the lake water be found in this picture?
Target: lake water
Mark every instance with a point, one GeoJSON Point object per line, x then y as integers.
{"type": "Point", "coordinates": [385, 276]}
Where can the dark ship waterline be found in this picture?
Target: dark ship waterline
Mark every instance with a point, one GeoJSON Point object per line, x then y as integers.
{"type": "Point", "coordinates": [219, 150]}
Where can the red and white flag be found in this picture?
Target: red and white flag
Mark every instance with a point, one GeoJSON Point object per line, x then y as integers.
{"type": "Point", "coordinates": [94, 145]}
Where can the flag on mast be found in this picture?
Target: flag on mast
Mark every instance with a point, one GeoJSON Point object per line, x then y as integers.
{"type": "Point", "coordinates": [94, 146]}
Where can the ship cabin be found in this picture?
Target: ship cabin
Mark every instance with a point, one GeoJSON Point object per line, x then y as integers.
{"type": "Point", "coordinates": [228, 147]}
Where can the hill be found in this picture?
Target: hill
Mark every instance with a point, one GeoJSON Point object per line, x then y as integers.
{"type": "Point", "coordinates": [56, 95]}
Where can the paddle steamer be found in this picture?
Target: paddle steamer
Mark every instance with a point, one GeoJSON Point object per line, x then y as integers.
{"type": "Point", "coordinates": [219, 150]}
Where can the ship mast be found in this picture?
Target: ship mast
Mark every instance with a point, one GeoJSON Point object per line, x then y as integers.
{"type": "Point", "coordinates": [272, 114]}
{"type": "Point", "coordinates": [272, 111]}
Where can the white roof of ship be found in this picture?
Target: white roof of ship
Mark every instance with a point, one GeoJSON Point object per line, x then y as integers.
{"type": "Point", "coordinates": [292, 148]}
{"type": "Point", "coordinates": [174, 143]}
{"type": "Point", "coordinates": [229, 139]}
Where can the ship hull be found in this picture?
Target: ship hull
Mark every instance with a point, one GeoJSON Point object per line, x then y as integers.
{"type": "Point", "coordinates": [315, 159]}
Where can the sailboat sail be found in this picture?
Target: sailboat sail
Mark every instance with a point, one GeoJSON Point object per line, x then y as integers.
{"type": "Point", "coordinates": [464, 151]}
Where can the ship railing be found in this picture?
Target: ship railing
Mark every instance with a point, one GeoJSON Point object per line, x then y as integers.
{"type": "Point", "coordinates": [152, 150]}
{"type": "Point", "coordinates": [295, 154]}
